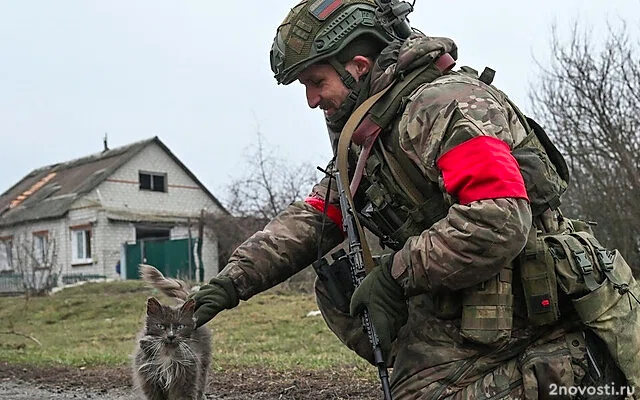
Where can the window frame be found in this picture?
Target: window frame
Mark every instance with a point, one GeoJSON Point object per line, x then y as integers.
{"type": "Point", "coordinates": [6, 246]}
{"type": "Point", "coordinates": [39, 255]}
{"type": "Point", "coordinates": [87, 244]}
{"type": "Point", "coordinates": [152, 176]}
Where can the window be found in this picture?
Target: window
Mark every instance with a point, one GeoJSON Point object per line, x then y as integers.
{"type": "Point", "coordinates": [81, 246]}
{"type": "Point", "coordinates": [40, 244]}
{"type": "Point", "coordinates": [156, 182]}
{"type": "Point", "coordinates": [6, 255]}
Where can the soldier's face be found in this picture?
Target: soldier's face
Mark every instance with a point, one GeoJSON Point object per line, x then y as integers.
{"type": "Point", "coordinates": [324, 88]}
{"type": "Point", "coordinates": [323, 85]}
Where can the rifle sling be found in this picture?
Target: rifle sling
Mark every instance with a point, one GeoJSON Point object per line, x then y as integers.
{"type": "Point", "coordinates": [344, 143]}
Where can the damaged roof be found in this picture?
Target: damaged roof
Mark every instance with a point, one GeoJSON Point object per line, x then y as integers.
{"type": "Point", "coordinates": [49, 192]}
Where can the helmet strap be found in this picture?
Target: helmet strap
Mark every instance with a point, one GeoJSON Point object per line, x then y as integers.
{"type": "Point", "coordinates": [336, 121]}
{"type": "Point", "coordinates": [348, 79]}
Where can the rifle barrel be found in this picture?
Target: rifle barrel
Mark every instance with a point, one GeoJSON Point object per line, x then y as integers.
{"type": "Point", "coordinates": [356, 266]}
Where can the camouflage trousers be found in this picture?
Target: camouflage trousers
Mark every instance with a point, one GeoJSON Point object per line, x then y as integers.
{"type": "Point", "coordinates": [545, 369]}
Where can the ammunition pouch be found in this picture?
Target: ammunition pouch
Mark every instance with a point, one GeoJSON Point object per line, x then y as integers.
{"type": "Point", "coordinates": [487, 310]}
{"type": "Point", "coordinates": [599, 283]}
{"type": "Point", "coordinates": [398, 207]}
{"type": "Point", "coordinates": [538, 277]}
{"type": "Point", "coordinates": [337, 279]}
{"type": "Point", "coordinates": [611, 310]}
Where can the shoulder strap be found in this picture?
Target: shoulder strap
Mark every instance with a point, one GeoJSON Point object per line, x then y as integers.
{"type": "Point", "coordinates": [401, 177]}
{"type": "Point", "coordinates": [382, 115]}
{"type": "Point", "coordinates": [343, 167]}
{"type": "Point", "coordinates": [385, 111]}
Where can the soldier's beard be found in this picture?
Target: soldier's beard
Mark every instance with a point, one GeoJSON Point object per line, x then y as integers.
{"type": "Point", "coordinates": [338, 119]}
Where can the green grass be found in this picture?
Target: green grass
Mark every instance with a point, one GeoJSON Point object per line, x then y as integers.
{"type": "Point", "coordinates": [95, 325]}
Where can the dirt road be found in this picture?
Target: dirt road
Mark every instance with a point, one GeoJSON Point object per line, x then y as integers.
{"type": "Point", "coordinates": [28, 391]}
{"type": "Point", "coordinates": [61, 383]}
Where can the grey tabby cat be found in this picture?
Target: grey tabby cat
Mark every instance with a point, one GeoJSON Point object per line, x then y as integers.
{"type": "Point", "coordinates": [172, 358]}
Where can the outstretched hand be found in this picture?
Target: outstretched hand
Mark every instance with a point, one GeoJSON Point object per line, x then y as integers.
{"type": "Point", "coordinates": [219, 294]}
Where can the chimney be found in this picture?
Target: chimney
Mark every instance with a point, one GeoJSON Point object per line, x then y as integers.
{"type": "Point", "coordinates": [106, 145]}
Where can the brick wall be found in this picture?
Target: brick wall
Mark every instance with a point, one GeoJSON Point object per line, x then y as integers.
{"type": "Point", "coordinates": [106, 240]}
{"type": "Point", "coordinates": [183, 196]}
{"type": "Point", "coordinates": [23, 235]}
{"type": "Point", "coordinates": [121, 193]}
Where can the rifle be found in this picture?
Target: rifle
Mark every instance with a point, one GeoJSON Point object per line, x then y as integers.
{"type": "Point", "coordinates": [393, 16]}
{"type": "Point", "coordinates": [346, 273]}
{"type": "Point", "coordinates": [356, 265]}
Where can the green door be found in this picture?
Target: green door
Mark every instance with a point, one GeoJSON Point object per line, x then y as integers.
{"type": "Point", "coordinates": [154, 253]}
{"type": "Point", "coordinates": [177, 257]}
{"type": "Point", "coordinates": [133, 254]}
{"type": "Point", "coordinates": [172, 257]}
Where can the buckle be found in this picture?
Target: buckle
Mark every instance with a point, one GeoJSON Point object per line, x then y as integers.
{"type": "Point", "coordinates": [605, 259]}
{"type": "Point", "coordinates": [583, 262]}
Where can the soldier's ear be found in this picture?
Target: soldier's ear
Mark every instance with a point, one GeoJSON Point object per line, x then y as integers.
{"type": "Point", "coordinates": [359, 66]}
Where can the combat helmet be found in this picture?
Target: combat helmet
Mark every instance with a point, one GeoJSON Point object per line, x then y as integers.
{"type": "Point", "coordinates": [334, 31]}
{"type": "Point", "coordinates": [317, 30]}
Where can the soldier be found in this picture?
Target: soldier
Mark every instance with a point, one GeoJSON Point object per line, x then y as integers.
{"type": "Point", "coordinates": [457, 183]}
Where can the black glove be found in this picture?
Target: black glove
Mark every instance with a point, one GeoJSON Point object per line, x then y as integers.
{"type": "Point", "coordinates": [384, 298]}
{"type": "Point", "coordinates": [219, 294]}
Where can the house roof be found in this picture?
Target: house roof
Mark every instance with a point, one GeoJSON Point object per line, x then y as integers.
{"type": "Point", "coordinates": [49, 192]}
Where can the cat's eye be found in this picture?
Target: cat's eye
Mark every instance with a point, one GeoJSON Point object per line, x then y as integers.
{"type": "Point", "coordinates": [180, 327]}
{"type": "Point", "coordinates": [160, 326]}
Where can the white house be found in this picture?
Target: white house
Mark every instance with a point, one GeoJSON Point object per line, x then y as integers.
{"type": "Point", "coordinates": [84, 214]}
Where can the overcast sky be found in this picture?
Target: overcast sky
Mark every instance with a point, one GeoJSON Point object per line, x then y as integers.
{"type": "Point", "coordinates": [196, 74]}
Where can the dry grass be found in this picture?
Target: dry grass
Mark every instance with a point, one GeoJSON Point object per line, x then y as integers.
{"type": "Point", "coordinates": [95, 325]}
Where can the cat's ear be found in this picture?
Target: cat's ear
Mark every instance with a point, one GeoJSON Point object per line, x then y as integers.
{"type": "Point", "coordinates": [153, 306]}
{"type": "Point", "coordinates": [189, 306]}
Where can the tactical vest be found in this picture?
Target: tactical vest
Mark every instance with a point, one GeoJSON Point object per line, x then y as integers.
{"type": "Point", "coordinates": [399, 202]}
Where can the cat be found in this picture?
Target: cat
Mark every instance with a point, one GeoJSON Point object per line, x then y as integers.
{"type": "Point", "coordinates": [172, 357]}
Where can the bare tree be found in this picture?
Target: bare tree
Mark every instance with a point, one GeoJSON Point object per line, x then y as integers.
{"type": "Point", "coordinates": [36, 260]}
{"type": "Point", "coordinates": [588, 100]}
{"type": "Point", "coordinates": [270, 184]}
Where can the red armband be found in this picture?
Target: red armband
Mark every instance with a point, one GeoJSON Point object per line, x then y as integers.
{"type": "Point", "coordinates": [481, 168]}
{"type": "Point", "coordinates": [333, 212]}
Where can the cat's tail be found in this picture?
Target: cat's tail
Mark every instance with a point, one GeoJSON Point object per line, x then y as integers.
{"type": "Point", "coordinates": [169, 286]}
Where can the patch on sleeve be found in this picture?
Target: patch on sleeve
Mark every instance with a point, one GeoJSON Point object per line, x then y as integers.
{"type": "Point", "coordinates": [321, 9]}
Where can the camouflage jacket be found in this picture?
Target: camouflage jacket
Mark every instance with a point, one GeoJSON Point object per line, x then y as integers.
{"type": "Point", "coordinates": [473, 242]}
{"type": "Point", "coordinates": [486, 233]}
